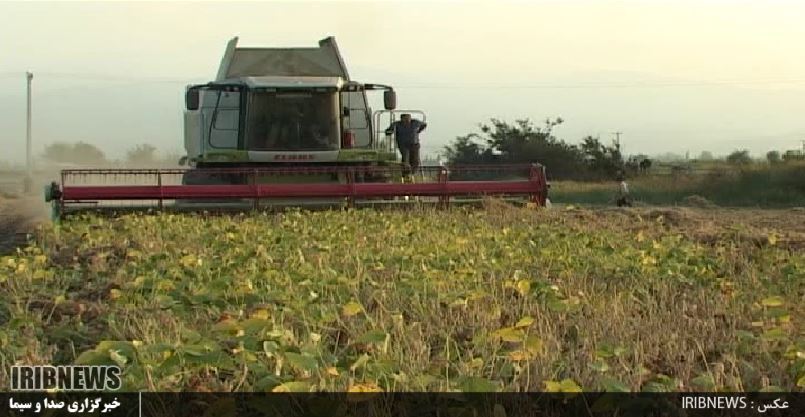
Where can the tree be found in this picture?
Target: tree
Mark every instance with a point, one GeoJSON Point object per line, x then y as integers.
{"type": "Point", "coordinates": [143, 154]}
{"type": "Point", "coordinates": [791, 155]}
{"type": "Point", "coordinates": [519, 142]}
{"type": "Point", "coordinates": [524, 142]}
{"type": "Point", "coordinates": [602, 159]}
{"type": "Point", "coordinates": [466, 150]}
{"type": "Point", "coordinates": [773, 157]}
{"type": "Point", "coordinates": [739, 157]}
{"type": "Point", "coordinates": [645, 164]}
{"type": "Point", "coordinates": [706, 156]}
{"type": "Point", "coordinates": [58, 152]}
{"type": "Point", "coordinates": [76, 153]}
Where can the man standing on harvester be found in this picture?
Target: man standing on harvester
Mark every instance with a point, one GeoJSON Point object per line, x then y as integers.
{"type": "Point", "coordinates": [406, 131]}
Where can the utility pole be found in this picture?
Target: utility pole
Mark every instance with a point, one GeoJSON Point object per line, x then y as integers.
{"type": "Point", "coordinates": [618, 140]}
{"type": "Point", "coordinates": [28, 157]}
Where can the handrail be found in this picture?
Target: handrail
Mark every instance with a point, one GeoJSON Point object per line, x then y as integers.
{"type": "Point", "coordinates": [296, 169]}
{"type": "Point", "coordinates": [390, 141]}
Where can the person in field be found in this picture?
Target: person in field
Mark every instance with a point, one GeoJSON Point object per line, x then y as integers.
{"type": "Point", "coordinates": [624, 199]}
{"type": "Point", "coordinates": [406, 131]}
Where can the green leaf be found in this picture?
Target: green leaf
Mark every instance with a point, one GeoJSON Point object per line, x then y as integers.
{"type": "Point", "coordinates": [552, 386]}
{"type": "Point", "coordinates": [293, 386]}
{"type": "Point", "coordinates": [524, 322]}
{"type": "Point", "coordinates": [195, 349]}
{"type": "Point", "coordinates": [523, 287]}
{"type": "Point", "coordinates": [255, 325]}
{"type": "Point", "coordinates": [301, 361]}
{"type": "Point", "coordinates": [653, 386]}
{"type": "Point", "coordinates": [270, 347]}
{"type": "Point", "coordinates": [774, 301]}
{"type": "Point", "coordinates": [774, 334]}
{"type": "Point", "coordinates": [477, 384]}
{"type": "Point", "coordinates": [123, 347]}
{"type": "Point", "coordinates": [533, 344]}
{"type": "Point", "coordinates": [422, 382]}
{"type": "Point", "coordinates": [119, 359]}
{"type": "Point", "coordinates": [226, 326]}
{"type": "Point", "coordinates": [214, 359]}
{"type": "Point", "coordinates": [607, 351]}
{"type": "Point", "coordinates": [156, 348]}
{"type": "Point", "coordinates": [92, 357]}
{"type": "Point", "coordinates": [510, 334]}
{"type": "Point", "coordinates": [558, 306]}
{"type": "Point", "coordinates": [170, 364]}
{"type": "Point", "coordinates": [661, 383]}
{"type": "Point", "coordinates": [266, 383]}
{"type": "Point", "coordinates": [165, 301]}
{"type": "Point", "coordinates": [351, 308]}
{"type": "Point", "coordinates": [704, 382]}
{"type": "Point", "coordinates": [566, 385]}
{"type": "Point", "coordinates": [614, 385]}
{"type": "Point", "coordinates": [776, 312]}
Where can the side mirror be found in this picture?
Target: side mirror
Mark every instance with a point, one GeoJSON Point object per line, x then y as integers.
{"type": "Point", "coordinates": [390, 99]}
{"type": "Point", "coordinates": [191, 99]}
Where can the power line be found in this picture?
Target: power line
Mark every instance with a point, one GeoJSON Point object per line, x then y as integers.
{"type": "Point", "coordinates": [437, 85]}
{"type": "Point", "coordinates": [601, 85]}
{"type": "Point", "coordinates": [115, 77]}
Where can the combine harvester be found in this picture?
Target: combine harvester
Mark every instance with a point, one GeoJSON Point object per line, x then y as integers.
{"type": "Point", "coordinates": [288, 127]}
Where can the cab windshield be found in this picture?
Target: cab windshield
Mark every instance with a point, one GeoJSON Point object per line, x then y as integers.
{"type": "Point", "coordinates": [292, 121]}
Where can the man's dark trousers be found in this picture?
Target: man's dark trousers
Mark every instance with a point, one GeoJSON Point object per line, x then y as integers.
{"type": "Point", "coordinates": [410, 157]}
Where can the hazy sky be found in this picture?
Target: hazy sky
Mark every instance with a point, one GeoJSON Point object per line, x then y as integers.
{"type": "Point", "coordinates": [673, 76]}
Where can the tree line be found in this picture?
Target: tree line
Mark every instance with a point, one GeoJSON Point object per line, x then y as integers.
{"type": "Point", "coordinates": [525, 142]}
{"type": "Point", "coordinates": [82, 153]}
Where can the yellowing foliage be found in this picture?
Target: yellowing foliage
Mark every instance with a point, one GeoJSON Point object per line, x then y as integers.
{"type": "Point", "coordinates": [498, 299]}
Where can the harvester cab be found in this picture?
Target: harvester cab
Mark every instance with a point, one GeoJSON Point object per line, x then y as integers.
{"type": "Point", "coordinates": [284, 106]}
{"type": "Point", "coordinates": [287, 127]}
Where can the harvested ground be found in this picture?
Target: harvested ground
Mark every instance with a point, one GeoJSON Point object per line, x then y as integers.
{"type": "Point", "coordinates": [781, 227]}
{"type": "Point", "coordinates": [698, 201]}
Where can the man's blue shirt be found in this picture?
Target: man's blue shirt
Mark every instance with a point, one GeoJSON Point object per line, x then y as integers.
{"type": "Point", "coordinates": [407, 133]}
